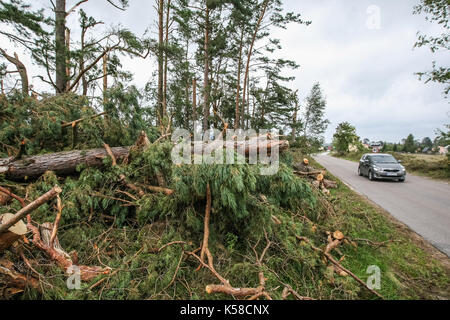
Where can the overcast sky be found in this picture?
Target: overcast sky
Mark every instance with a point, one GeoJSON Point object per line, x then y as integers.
{"type": "Point", "coordinates": [360, 51]}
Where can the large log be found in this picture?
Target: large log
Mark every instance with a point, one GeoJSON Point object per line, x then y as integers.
{"type": "Point", "coordinates": [62, 163]}
{"type": "Point", "coordinates": [65, 163]}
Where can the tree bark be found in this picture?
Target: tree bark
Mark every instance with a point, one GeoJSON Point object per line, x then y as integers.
{"type": "Point", "coordinates": [294, 119]}
{"type": "Point", "coordinates": [60, 46]}
{"type": "Point", "coordinates": [238, 86]}
{"type": "Point", "coordinates": [250, 51]}
{"type": "Point", "coordinates": [67, 42]}
{"type": "Point", "coordinates": [160, 60]}
{"type": "Point", "coordinates": [206, 71]}
{"type": "Point", "coordinates": [105, 77]}
{"type": "Point", "coordinates": [62, 163]}
{"type": "Point", "coordinates": [166, 43]}
{"type": "Point", "coordinates": [66, 163]}
{"type": "Point", "coordinates": [194, 100]}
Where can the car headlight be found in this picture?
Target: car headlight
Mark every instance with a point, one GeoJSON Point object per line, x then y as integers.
{"type": "Point", "coordinates": [403, 168]}
{"type": "Point", "coordinates": [377, 168]}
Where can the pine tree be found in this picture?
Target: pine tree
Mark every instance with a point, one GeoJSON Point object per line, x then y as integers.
{"type": "Point", "coordinates": [315, 123]}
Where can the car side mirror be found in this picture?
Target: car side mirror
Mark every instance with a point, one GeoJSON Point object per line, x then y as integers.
{"type": "Point", "coordinates": [399, 161]}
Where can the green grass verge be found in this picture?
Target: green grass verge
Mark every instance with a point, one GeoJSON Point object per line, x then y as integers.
{"type": "Point", "coordinates": [411, 268]}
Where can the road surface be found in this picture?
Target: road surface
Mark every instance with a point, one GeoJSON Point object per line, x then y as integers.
{"type": "Point", "coordinates": [420, 203]}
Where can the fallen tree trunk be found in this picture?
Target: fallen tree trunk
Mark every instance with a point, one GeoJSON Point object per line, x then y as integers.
{"type": "Point", "coordinates": [66, 163]}
{"type": "Point", "coordinates": [330, 184]}
{"type": "Point", "coordinates": [62, 163]}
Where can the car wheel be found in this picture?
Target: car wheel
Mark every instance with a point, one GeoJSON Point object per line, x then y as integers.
{"type": "Point", "coordinates": [359, 171]}
{"type": "Point", "coordinates": [371, 175]}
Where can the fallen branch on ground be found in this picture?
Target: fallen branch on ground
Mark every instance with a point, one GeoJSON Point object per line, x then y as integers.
{"type": "Point", "coordinates": [326, 253]}
{"type": "Point", "coordinates": [225, 287]}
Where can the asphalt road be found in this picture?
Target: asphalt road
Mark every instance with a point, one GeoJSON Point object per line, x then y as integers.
{"type": "Point", "coordinates": [420, 203]}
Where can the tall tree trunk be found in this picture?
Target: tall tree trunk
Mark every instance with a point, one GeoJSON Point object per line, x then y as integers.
{"type": "Point", "coordinates": [60, 45]}
{"type": "Point", "coordinates": [248, 103]}
{"type": "Point", "coordinates": [166, 42]}
{"type": "Point", "coordinates": [250, 51]}
{"type": "Point", "coordinates": [245, 104]}
{"type": "Point", "coordinates": [67, 42]}
{"type": "Point", "coordinates": [160, 61]}
{"type": "Point", "coordinates": [238, 86]}
{"type": "Point", "coordinates": [105, 77]}
{"type": "Point", "coordinates": [206, 71]}
{"type": "Point", "coordinates": [20, 68]}
{"type": "Point", "coordinates": [294, 121]}
{"type": "Point", "coordinates": [194, 99]}
{"type": "Point", "coordinates": [84, 83]}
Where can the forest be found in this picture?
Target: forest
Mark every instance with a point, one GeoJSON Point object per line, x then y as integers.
{"type": "Point", "coordinates": [93, 207]}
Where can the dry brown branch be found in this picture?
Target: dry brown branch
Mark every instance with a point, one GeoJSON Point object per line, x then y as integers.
{"type": "Point", "coordinates": [288, 291]}
{"type": "Point", "coordinates": [339, 266]}
{"type": "Point", "coordinates": [156, 189]}
{"type": "Point", "coordinates": [56, 224]}
{"type": "Point", "coordinates": [12, 195]}
{"type": "Point", "coordinates": [225, 287]}
{"type": "Point", "coordinates": [30, 207]}
{"type": "Point", "coordinates": [205, 246]}
{"type": "Point", "coordinates": [170, 244]}
{"type": "Point", "coordinates": [13, 282]}
{"type": "Point", "coordinates": [41, 239]}
{"type": "Point", "coordinates": [111, 154]}
{"type": "Point", "coordinates": [75, 122]}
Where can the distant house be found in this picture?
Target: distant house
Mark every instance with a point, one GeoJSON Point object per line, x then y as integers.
{"type": "Point", "coordinates": [443, 150]}
{"type": "Point", "coordinates": [352, 148]}
{"type": "Point", "coordinates": [376, 146]}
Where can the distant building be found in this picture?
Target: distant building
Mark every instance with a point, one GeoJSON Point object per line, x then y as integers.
{"type": "Point", "coordinates": [376, 146]}
{"type": "Point", "coordinates": [353, 148]}
{"type": "Point", "coordinates": [443, 150]}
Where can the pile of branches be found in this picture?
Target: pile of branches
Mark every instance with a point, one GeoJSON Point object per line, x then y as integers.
{"type": "Point", "coordinates": [138, 184]}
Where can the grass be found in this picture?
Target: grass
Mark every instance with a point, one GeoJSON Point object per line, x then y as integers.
{"type": "Point", "coordinates": [432, 166]}
{"type": "Point", "coordinates": [410, 267]}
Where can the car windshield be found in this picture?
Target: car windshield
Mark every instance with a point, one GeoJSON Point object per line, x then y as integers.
{"type": "Point", "coordinates": [383, 159]}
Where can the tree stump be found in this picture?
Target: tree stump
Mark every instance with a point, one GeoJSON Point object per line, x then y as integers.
{"type": "Point", "coordinates": [13, 234]}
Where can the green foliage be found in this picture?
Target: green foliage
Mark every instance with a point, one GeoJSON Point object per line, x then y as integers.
{"type": "Point", "coordinates": [315, 123]}
{"type": "Point", "coordinates": [436, 11]}
{"type": "Point", "coordinates": [39, 123]}
{"type": "Point", "coordinates": [410, 144]}
{"type": "Point", "coordinates": [344, 137]}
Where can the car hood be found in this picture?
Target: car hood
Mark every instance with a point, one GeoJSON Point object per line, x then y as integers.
{"type": "Point", "coordinates": [388, 165]}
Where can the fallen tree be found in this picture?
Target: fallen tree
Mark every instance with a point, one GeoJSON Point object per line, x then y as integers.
{"type": "Point", "coordinates": [66, 163]}
{"type": "Point", "coordinates": [62, 163]}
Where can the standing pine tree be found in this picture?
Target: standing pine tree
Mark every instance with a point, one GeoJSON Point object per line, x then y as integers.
{"type": "Point", "coordinates": [315, 123]}
{"type": "Point", "coordinates": [410, 145]}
